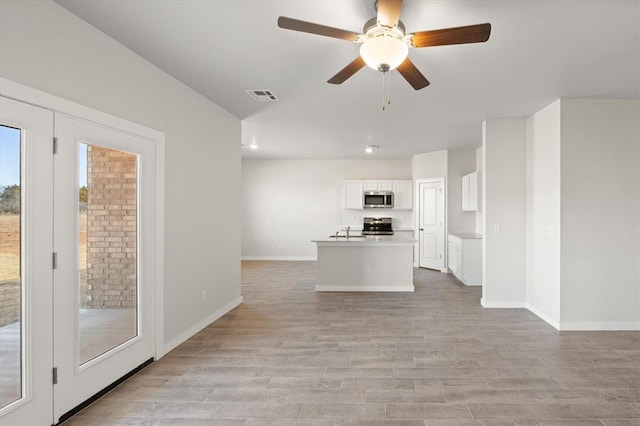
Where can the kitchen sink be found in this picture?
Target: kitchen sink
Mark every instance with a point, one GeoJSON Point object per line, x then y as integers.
{"type": "Point", "coordinates": [345, 237]}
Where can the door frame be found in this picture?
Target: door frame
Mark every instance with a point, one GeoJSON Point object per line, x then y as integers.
{"type": "Point", "coordinates": [26, 94]}
{"type": "Point", "coordinates": [416, 220]}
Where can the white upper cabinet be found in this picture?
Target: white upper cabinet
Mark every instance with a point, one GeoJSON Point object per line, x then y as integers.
{"type": "Point", "coordinates": [353, 194]}
{"type": "Point", "coordinates": [370, 185]}
{"type": "Point", "coordinates": [402, 195]}
{"type": "Point", "coordinates": [385, 185]}
{"type": "Point", "coordinates": [471, 192]}
{"type": "Point", "coordinates": [378, 185]}
{"type": "Point", "coordinates": [465, 192]}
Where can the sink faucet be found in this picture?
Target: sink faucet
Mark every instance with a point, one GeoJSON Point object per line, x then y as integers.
{"type": "Point", "coordinates": [348, 228]}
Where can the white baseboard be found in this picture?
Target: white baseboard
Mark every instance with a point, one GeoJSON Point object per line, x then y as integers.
{"type": "Point", "coordinates": [282, 258]}
{"type": "Point", "coordinates": [600, 326]}
{"type": "Point", "coordinates": [552, 322]}
{"type": "Point", "coordinates": [363, 288]}
{"type": "Point", "coordinates": [191, 331]}
{"type": "Point", "coordinates": [502, 304]}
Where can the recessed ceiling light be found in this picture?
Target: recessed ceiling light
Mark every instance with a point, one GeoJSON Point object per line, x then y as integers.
{"type": "Point", "coordinates": [370, 148]}
{"type": "Point", "coordinates": [252, 145]}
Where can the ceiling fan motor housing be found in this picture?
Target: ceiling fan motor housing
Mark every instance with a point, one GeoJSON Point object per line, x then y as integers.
{"type": "Point", "coordinates": [372, 24]}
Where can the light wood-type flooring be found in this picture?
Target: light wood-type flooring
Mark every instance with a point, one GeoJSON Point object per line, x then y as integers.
{"type": "Point", "coordinates": [291, 356]}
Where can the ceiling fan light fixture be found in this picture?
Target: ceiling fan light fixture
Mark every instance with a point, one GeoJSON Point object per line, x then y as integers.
{"type": "Point", "coordinates": [384, 52]}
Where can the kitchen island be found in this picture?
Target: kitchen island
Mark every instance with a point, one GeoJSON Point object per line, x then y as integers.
{"type": "Point", "coordinates": [372, 263]}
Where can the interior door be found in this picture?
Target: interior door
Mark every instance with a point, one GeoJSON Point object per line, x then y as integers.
{"type": "Point", "coordinates": [431, 222]}
{"type": "Point", "coordinates": [104, 240]}
{"type": "Point", "coordinates": [26, 203]}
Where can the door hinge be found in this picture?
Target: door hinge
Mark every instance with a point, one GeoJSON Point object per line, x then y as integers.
{"type": "Point", "coordinates": [54, 260]}
{"type": "Point", "coordinates": [55, 145]}
{"type": "Point", "coordinates": [55, 375]}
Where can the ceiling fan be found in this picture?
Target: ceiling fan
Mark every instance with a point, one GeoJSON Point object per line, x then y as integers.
{"type": "Point", "coordinates": [385, 42]}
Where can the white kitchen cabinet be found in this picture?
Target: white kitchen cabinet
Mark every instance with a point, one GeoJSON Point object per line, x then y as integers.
{"type": "Point", "coordinates": [385, 185]}
{"type": "Point", "coordinates": [378, 185]}
{"type": "Point", "coordinates": [353, 194]}
{"type": "Point", "coordinates": [464, 257]}
{"type": "Point", "coordinates": [465, 192]}
{"type": "Point", "coordinates": [454, 247]}
{"type": "Point", "coordinates": [370, 185]}
{"type": "Point", "coordinates": [471, 192]}
{"type": "Point", "coordinates": [402, 194]}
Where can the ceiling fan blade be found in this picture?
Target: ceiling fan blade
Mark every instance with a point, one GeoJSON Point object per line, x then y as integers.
{"type": "Point", "coordinates": [311, 28]}
{"type": "Point", "coordinates": [389, 12]}
{"type": "Point", "coordinates": [458, 35]}
{"type": "Point", "coordinates": [347, 71]}
{"type": "Point", "coordinates": [413, 75]}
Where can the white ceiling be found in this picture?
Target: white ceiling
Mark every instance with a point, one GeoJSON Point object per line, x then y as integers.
{"type": "Point", "coordinates": [539, 51]}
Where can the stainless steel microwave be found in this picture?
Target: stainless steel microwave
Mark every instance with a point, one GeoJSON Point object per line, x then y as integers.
{"type": "Point", "coordinates": [378, 199]}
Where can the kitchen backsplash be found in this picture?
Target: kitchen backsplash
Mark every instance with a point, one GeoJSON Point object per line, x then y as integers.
{"type": "Point", "coordinates": [401, 219]}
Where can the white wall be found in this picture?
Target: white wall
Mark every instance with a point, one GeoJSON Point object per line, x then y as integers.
{"type": "Point", "coordinates": [287, 203]}
{"type": "Point", "coordinates": [543, 213]}
{"type": "Point", "coordinates": [459, 163]}
{"type": "Point", "coordinates": [600, 210]}
{"type": "Point", "coordinates": [429, 165]}
{"type": "Point", "coordinates": [46, 47]}
{"type": "Point", "coordinates": [504, 203]}
{"type": "Point", "coordinates": [480, 214]}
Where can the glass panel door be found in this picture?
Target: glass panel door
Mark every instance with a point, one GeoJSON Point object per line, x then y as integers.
{"type": "Point", "coordinates": [26, 229]}
{"type": "Point", "coordinates": [103, 299]}
{"type": "Point", "coordinates": [11, 289]}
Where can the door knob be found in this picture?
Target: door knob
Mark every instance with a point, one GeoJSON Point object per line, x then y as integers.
{"type": "Point", "coordinates": [421, 229]}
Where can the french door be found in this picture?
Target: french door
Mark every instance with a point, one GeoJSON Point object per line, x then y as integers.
{"type": "Point", "coordinates": [87, 247]}
{"type": "Point", "coordinates": [26, 244]}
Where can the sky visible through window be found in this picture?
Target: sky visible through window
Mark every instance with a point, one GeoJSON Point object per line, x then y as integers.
{"type": "Point", "coordinates": [10, 158]}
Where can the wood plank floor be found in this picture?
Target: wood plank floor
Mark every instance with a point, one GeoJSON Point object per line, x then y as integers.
{"type": "Point", "coordinates": [290, 356]}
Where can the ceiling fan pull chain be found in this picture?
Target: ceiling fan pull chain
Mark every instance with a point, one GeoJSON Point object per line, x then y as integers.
{"type": "Point", "coordinates": [389, 90]}
{"type": "Point", "coordinates": [384, 74]}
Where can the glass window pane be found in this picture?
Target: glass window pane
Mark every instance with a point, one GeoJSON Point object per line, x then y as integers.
{"type": "Point", "coordinates": [108, 252]}
{"type": "Point", "coordinates": [11, 291]}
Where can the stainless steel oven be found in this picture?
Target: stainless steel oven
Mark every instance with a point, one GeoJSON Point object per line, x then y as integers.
{"type": "Point", "coordinates": [377, 226]}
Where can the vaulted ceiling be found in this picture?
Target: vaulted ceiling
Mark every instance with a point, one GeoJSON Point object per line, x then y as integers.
{"type": "Point", "coordinates": [539, 51]}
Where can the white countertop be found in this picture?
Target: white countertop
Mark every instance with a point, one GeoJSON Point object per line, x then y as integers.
{"type": "Point", "coordinates": [466, 235]}
{"type": "Point", "coordinates": [357, 229]}
{"type": "Point", "coordinates": [369, 240]}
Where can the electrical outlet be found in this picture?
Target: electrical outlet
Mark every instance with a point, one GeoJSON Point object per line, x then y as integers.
{"type": "Point", "coordinates": [203, 296]}
{"type": "Point", "coordinates": [497, 227]}
{"type": "Point", "coordinates": [366, 269]}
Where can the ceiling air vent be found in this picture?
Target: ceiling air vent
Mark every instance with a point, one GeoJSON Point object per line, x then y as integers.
{"type": "Point", "coordinates": [262, 95]}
